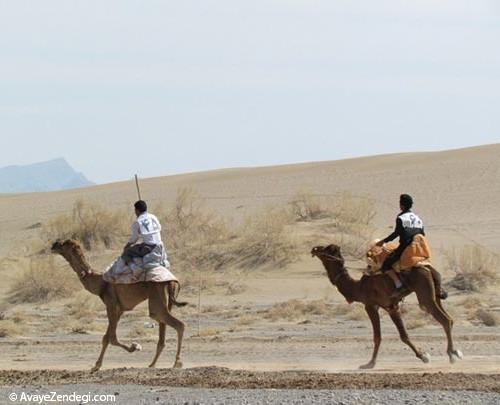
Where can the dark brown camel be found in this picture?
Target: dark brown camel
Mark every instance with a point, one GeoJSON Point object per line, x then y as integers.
{"type": "Point", "coordinates": [375, 292]}
{"type": "Point", "coordinates": [119, 298]}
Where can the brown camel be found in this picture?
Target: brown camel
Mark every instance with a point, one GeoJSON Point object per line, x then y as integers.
{"type": "Point", "coordinates": [375, 292]}
{"type": "Point", "coordinates": [119, 298]}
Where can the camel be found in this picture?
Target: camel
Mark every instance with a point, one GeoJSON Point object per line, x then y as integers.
{"type": "Point", "coordinates": [119, 298]}
{"type": "Point", "coordinates": [375, 292]}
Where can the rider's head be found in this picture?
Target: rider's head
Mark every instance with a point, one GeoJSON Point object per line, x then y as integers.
{"type": "Point", "coordinates": [140, 207]}
{"type": "Point", "coordinates": [405, 202]}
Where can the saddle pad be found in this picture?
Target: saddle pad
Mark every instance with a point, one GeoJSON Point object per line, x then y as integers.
{"type": "Point", "coordinates": [119, 273]}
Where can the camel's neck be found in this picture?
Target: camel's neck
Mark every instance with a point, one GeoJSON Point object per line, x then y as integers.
{"type": "Point", "coordinates": [346, 285]}
{"type": "Point", "coordinates": [92, 282]}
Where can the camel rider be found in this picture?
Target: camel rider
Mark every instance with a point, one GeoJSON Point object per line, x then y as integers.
{"type": "Point", "coordinates": [146, 227]}
{"type": "Point", "coordinates": [408, 224]}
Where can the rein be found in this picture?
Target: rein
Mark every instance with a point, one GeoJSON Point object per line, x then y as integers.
{"type": "Point", "coordinates": [343, 271]}
{"type": "Point", "coordinates": [84, 274]}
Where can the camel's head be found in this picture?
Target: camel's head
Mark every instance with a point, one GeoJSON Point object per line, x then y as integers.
{"type": "Point", "coordinates": [73, 253]}
{"type": "Point", "coordinates": [331, 252]}
{"type": "Point", "coordinates": [62, 247]}
{"type": "Point", "coordinates": [332, 260]}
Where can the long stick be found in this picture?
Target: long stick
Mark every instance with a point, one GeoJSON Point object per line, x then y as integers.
{"type": "Point", "coordinates": [137, 186]}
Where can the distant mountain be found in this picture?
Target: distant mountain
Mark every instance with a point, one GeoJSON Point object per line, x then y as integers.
{"type": "Point", "coordinates": [52, 175]}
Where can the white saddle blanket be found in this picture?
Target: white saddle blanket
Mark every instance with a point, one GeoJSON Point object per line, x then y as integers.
{"type": "Point", "coordinates": [119, 273]}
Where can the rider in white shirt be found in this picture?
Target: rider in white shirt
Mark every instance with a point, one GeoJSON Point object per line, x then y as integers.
{"type": "Point", "coordinates": [146, 227]}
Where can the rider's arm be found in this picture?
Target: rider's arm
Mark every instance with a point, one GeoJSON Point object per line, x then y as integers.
{"type": "Point", "coordinates": [134, 237]}
{"type": "Point", "coordinates": [397, 231]}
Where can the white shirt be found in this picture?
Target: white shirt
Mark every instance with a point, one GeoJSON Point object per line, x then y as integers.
{"type": "Point", "coordinates": [147, 227]}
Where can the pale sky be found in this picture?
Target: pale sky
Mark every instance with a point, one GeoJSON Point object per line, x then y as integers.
{"type": "Point", "coordinates": [164, 87]}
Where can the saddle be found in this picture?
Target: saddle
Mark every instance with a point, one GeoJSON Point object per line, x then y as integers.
{"type": "Point", "coordinates": [416, 254]}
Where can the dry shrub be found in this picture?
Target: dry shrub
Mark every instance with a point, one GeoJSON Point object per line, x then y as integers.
{"type": "Point", "coordinates": [294, 309]}
{"type": "Point", "coordinates": [475, 267]}
{"type": "Point", "coordinates": [265, 239]}
{"type": "Point", "coordinates": [84, 306]}
{"type": "Point", "coordinates": [306, 207]}
{"type": "Point", "coordinates": [21, 317]}
{"type": "Point", "coordinates": [91, 224]}
{"type": "Point", "coordinates": [351, 213]}
{"type": "Point", "coordinates": [353, 218]}
{"type": "Point", "coordinates": [210, 332]}
{"type": "Point", "coordinates": [414, 317]}
{"type": "Point", "coordinates": [236, 288]}
{"type": "Point", "coordinates": [486, 317]}
{"type": "Point", "coordinates": [42, 280]}
{"type": "Point", "coordinates": [196, 236]}
{"type": "Point", "coordinates": [141, 331]}
{"type": "Point", "coordinates": [353, 312]}
{"type": "Point", "coordinates": [471, 303]}
{"type": "Point", "coordinates": [246, 319]}
{"type": "Point", "coordinates": [9, 328]}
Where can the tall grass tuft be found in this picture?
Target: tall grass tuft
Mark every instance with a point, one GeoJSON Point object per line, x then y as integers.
{"type": "Point", "coordinates": [474, 266]}
{"type": "Point", "coordinates": [91, 224]}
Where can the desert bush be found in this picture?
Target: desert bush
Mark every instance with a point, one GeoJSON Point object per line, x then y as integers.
{"type": "Point", "coordinates": [353, 214]}
{"type": "Point", "coordinates": [84, 306]}
{"type": "Point", "coordinates": [246, 319]}
{"type": "Point", "coordinates": [474, 266]}
{"type": "Point", "coordinates": [414, 317]}
{"type": "Point", "coordinates": [353, 312]}
{"type": "Point", "coordinates": [9, 328]}
{"type": "Point", "coordinates": [265, 239]}
{"type": "Point", "coordinates": [306, 207]}
{"type": "Point", "coordinates": [486, 317]}
{"type": "Point", "coordinates": [196, 236]}
{"type": "Point", "coordinates": [294, 309]}
{"type": "Point", "coordinates": [351, 226]}
{"type": "Point", "coordinates": [89, 223]}
{"type": "Point", "coordinates": [41, 280]}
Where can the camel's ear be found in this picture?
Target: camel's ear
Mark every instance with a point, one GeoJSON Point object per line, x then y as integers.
{"type": "Point", "coordinates": [56, 245]}
{"type": "Point", "coordinates": [334, 250]}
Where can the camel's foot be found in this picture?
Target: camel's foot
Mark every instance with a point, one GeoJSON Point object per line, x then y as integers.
{"type": "Point", "coordinates": [455, 355]}
{"type": "Point", "coordinates": [95, 368]}
{"type": "Point", "coordinates": [135, 347]}
{"type": "Point", "coordinates": [367, 366]}
{"type": "Point", "coordinates": [177, 364]}
{"type": "Point", "coordinates": [425, 357]}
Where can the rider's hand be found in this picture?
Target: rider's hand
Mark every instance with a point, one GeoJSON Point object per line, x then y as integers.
{"type": "Point", "coordinates": [380, 243]}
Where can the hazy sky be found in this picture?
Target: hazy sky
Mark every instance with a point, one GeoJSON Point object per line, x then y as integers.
{"type": "Point", "coordinates": [163, 87]}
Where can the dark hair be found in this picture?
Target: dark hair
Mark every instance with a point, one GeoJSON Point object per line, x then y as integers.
{"type": "Point", "coordinates": [406, 201]}
{"type": "Point", "coordinates": [141, 206]}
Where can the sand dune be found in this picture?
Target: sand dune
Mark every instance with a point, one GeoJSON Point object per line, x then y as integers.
{"type": "Point", "coordinates": [457, 192]}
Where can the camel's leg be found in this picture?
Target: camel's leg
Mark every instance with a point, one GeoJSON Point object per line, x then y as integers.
{"type": "Point", "coordinates": [398, 321]}
{"type": "Point", "coordinates": [427, 300]}
{"type": "Point", "coordinates": [161, 343]}
{"type": "Point", "coordinates": [446, 322]}
{"type": "Point", "coordinates": [105, 342]}
{"type": "Point", "coordinates": [114, 316]}
{"type": "Point", "coordinates": [158, 310]}
{"type": "Point", "coordinates": [372, 312]}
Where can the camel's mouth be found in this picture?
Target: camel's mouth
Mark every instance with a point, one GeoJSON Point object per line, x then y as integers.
{"type": "Point", "coordinates": [316, 251]}
{"type": "Point", "coordinates": [56, 246]}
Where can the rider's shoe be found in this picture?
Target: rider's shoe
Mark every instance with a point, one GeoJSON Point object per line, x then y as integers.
{"type": "Point", "coordinates": [399, 291]}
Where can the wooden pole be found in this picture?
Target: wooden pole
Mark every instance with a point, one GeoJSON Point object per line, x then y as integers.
{"type": "Point", "coordinates": [137, 186]}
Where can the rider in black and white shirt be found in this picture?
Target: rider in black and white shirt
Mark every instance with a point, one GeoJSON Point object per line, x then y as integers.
{"type": "Point", "coordinates": [408, 224]}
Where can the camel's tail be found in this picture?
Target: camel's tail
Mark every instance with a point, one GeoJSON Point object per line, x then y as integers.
{"type": "Point", "coordinates": [436, 277]}
{"type": "Point", "coordinates": [173, 291]}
